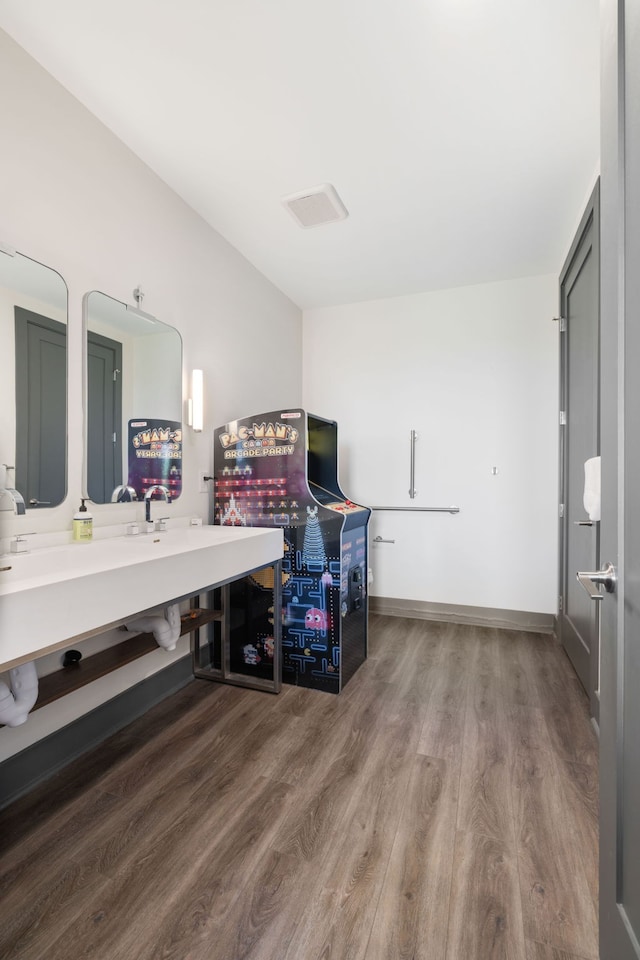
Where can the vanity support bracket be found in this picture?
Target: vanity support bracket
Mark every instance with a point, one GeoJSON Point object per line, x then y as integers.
{"type": "Point", "coordinates": [224, 673]}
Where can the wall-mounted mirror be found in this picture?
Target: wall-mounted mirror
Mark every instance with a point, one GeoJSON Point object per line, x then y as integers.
{"type": "Point", "coordinates": [33, 382]}
{"type": "Point", "coordinates": [133, 403]}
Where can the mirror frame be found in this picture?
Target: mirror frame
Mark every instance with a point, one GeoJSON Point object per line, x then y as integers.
{"type": "Point", "coordinates": [31, 508]}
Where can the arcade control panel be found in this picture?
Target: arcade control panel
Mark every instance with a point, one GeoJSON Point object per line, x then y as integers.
{"type": "Point", "coordinates": [343, 506]}
{"type": "Point", "coordinates": [329, 500]}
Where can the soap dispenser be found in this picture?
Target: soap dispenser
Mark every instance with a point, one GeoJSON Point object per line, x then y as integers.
{"type": "Point", "coordinates": [82, 525]}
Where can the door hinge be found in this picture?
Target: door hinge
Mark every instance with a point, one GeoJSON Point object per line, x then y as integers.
{"type": "Point", "coordinates": [114, 438]}
{"type": "Point", "coordinates": [561, 509]}
{"type": "Point", "coordinates": [563, 323]}
{"type": "Point", "coordinates": [561, 603]}
{"type": "Point", "coordinates": [563, 418]}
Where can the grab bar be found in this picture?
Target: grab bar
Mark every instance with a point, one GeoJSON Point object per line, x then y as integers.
{"type": "Point", "coordinates": [412, 466]}
{"type": "Point", "coordinates": [420, 509]}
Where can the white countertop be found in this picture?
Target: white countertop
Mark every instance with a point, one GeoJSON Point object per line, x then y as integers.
{"type": "Point", "coordinates": [68, 592]}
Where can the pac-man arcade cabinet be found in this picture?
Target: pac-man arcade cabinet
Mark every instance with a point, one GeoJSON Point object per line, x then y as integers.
{"type": "Point", "coordinates": [281, 469]}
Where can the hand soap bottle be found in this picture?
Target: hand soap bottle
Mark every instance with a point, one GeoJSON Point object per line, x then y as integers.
{"type": "Point", "coordinates": [82, 525]}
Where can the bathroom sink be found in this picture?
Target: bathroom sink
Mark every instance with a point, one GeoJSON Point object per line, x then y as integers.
{"type": "Point", "coordinates": [53, 564]}
{"type": "Point", "coordinates": [20, 571]}
{"type": "Point", "coordinates": [51, 596]}
{"type": "Point", "coordinates": [185, 538]}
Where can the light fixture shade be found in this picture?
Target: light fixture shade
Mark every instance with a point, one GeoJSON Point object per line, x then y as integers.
{"type": "Point", "coordinates": [197, 400]}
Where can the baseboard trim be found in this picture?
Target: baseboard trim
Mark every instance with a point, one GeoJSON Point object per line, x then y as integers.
{"type": "Point", "coordinates": [478, 616]}
{"type": "Point", "coordinates": [24, 771]}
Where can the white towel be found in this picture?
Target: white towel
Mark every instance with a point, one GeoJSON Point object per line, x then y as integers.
{"type": "Point", "coordinates": [592, 488]}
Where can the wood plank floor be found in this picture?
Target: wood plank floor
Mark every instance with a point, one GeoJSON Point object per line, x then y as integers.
{"type": "Point", "coordinates": [444, 807]}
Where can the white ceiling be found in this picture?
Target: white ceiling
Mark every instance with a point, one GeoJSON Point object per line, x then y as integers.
{"type": "Point", "coordinates": [462, 135]}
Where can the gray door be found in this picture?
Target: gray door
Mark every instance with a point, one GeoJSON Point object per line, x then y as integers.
{"type": "Point", "coordinates": [620, 443]}
{"type": "Point", "coordinates": [580, 440]}
{"type": "Point", "coordinates": [41, 408]}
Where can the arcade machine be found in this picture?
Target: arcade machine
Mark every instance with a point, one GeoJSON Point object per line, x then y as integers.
{"type": "Point", "coordinates": [281, 469]}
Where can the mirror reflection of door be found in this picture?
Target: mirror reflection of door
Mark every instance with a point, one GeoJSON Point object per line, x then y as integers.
{"type": "Point", "coordinates": [41, 408]}
{"type": "Point", "coordinates": [104, 416]}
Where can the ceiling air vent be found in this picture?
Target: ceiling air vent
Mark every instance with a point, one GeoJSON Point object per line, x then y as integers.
{"type": "Point", "coordinates": [318, 205]}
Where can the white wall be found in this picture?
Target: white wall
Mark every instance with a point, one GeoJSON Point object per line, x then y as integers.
{"type": "Point", "coordinates": [475, 371]}
{"type": "Point", "coordinates": [74, 197]}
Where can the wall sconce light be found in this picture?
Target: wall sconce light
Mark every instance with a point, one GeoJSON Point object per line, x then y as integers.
{"type": "Point", "coordinates": [195, 404]}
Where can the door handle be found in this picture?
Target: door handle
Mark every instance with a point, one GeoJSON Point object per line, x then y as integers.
{"type": "Point", "coordinates": [583, 523]}
{"type": "Point", "coordinates": [590, 581]}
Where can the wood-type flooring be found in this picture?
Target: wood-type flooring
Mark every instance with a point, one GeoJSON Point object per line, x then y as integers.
{"type": "Point", "coordinates": [443, 807]}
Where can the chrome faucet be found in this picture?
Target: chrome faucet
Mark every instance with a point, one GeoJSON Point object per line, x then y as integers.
{"type": "Point", "coordinates": [157, 488]}
{"type": "Point", "coordinates": [123, 494]}
{"type": "Point", "coordinates": [16, 496]}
